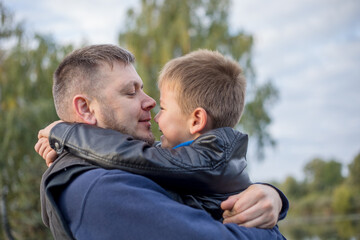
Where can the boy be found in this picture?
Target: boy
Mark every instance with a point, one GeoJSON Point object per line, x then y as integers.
{"type": "Point", "coordinates": [202, 95]}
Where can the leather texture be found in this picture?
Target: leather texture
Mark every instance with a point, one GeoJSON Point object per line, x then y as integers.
{"type": "Point", "coordinates": [215, 163]}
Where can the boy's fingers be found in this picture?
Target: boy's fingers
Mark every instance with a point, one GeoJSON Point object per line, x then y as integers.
{"type": "Point", "coordinates": [46, 152]}
{"type": "Point", "coordinates": [37, 146]}
{"type": "Point", "coordinates": [41, 134]}
{"type": "Point", "coordinates": [43, 147]}
{"type": "Point", "coordinates": [50, 157]}
{"type": "Point", "coordinates": [45, 132]}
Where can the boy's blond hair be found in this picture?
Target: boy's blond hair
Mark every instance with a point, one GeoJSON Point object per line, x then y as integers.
{"type": "Point", "coordinates": [209, 80]}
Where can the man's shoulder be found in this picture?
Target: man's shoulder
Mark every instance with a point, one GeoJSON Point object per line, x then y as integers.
{"type": "Point", "coordinates": [69, 168]}
{"type": "Point", "coordinates": [102, 188]}
{"type": "Point", "coordinates": [114, 178]}
{"type": "Point", "coordinates": [63, 163]}
{"type": "Point", "coordinates": [100, 180]}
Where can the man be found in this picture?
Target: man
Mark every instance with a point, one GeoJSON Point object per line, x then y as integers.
{"type": "Point", "coordinates": [98, 85]}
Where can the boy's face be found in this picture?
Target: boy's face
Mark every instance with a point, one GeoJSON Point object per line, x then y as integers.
{"type": "Point", "coordinates": [172, 122]}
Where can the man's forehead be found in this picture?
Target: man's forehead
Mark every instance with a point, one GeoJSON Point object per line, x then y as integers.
{"type": "Point", "coordinates": [124, 74]}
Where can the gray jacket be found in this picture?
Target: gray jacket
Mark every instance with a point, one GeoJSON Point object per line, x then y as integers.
{"type": "Point", "coordinates": [201, 175]}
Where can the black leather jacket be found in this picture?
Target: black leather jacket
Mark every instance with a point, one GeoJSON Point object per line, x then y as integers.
{"type": "Point", "coordinates": [202, 175]}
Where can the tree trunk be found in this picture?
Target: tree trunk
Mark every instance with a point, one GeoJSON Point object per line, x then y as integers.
{"type": "Point", "coordinates": [4, 216]}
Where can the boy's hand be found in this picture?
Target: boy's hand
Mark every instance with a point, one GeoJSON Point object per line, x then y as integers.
{"type": "Point", "coordinates": [258, 206]}
{"type": "Point", "coordinates": [42, 147]}
{"type": "Point", "coordinates": [46, 131]}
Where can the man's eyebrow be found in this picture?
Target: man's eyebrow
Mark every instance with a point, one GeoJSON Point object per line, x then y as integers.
{"type": "Point", "coordinates": [131, 84]}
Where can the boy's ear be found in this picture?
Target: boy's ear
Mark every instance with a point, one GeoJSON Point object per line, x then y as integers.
{"type": "Point", "coordinates": [81, 104]}
{"type": "Point", "coordinates": [199, 120]}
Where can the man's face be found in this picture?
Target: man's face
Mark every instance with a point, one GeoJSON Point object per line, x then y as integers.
{"type": "Point", "coordinates": [172, 122]}
{"type": "Point", "coordinates": [122, 104]}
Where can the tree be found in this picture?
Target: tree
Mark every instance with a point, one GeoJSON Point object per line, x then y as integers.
{"type": "Point", "coordinates": [7, 30]}
{"type": "Point", "coordinates": [165, 29]}
{"type": "Point", "coordinates": [343, 200]}
{"type": "Point", "coordinates": [26, 105]}
{"type": "Point", "coordinates": [322, 175]}
{"type": "Point", "coordinates": [353, 182]}
{"type": "Point", "coordinates": [354, 170]}
{"type": "Point", "coordinates": [293, 188]}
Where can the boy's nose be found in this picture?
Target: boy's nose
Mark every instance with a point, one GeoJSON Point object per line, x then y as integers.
{"type": "Point", "coordinates": [156, 118]}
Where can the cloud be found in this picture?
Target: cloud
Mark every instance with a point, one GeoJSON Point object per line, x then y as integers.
{"type": "Point", "coordinates": [310, 49]}
{"type": "Point", "coordinates": [313, 57]}
{"type": "Point", "coordinates": [75, 21]}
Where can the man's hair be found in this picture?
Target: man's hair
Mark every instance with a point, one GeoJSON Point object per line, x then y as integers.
{"type": "Point", "coordinates": [209, 80]}
{"type": "Point", "coordinates": [80, 72]}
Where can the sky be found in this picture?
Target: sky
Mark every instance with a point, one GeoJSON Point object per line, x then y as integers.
{"type": "Point", "coordinates": [309, 49]}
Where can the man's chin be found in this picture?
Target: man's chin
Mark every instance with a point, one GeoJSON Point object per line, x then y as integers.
{"type": "Point", "coordinates": [149, 138]}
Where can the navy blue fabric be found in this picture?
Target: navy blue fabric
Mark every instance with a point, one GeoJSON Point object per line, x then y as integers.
{"type": "Point", "coordinates": [113, 204]}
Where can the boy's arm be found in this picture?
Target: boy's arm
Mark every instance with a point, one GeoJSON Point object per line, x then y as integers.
{"type": "Point", "coordinates": [260, 199]}
{"type": "Point", "coordinates": [199, 168]}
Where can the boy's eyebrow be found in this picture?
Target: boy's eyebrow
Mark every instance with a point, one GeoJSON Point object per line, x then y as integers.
{"type": "Point", "coordinates": [161, 102]}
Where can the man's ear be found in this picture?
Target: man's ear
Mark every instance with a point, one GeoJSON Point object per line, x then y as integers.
{"type": "Point", "coordinates": [198, 120]}
{"type": "Point", "coordinates": [81, 104]}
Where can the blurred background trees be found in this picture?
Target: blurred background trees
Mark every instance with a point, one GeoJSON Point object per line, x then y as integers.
{"type": "Point", "coordinates": [26, 67]}
{"type": "Point", "coordinates": [164, 29]}
{"type": "Point", "coordinates": [324, 197]}
{"type": "Point", "coordinates": [156, 32]}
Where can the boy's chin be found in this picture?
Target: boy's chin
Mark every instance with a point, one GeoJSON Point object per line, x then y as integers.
{"type": "Point", "coordinates": [164, 142]}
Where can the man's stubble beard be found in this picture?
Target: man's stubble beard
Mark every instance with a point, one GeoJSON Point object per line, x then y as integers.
{"type": "Point", "coordinates": [111, 122]}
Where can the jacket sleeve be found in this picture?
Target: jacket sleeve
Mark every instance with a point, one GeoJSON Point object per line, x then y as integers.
{"type": "Point", "coordinates": [201, 168]}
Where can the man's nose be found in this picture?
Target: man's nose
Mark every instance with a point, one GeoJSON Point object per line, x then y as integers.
{"type": "Point", "coordinates": [148, 103]}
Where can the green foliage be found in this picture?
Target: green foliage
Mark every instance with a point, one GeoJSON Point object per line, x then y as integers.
{"type": "Point", "coordinates": [323, 175]}
{"type": "Point", "coordinates": [354, 173]}
{"type": "Point", "coordinates": [313, 204]}
{"type": "Point", "coordinates": [324, 205]}
{"type": "Point", "coordinates": [256, 118]}
{"type": "Point", "coordinates": [159, 31]}
{"type": "Point", "coordinates": [343, 200]}
{"type": "Point", "coordinates": [164, 29]}
{"type": "Point", "coordinates": [26, 106]}
{"type": "Point", "coordinates": [293, 188]}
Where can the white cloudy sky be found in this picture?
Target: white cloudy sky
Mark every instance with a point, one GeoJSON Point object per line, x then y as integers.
{"type": "Point", "coordinates": [310, 49]}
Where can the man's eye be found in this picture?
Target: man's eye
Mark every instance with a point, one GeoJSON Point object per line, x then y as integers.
{"type": "Point", "coordinates": [131, 93]}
